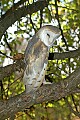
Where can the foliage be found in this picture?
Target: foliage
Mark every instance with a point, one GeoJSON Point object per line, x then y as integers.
{"type": "Point", "coordinates": [68, 19]}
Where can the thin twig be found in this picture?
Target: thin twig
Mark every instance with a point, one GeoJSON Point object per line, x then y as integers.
{"type": "Point", "coordinates": [76, 10]}
{"type": "Point", "coordinates": [10, 85]}
{"type": "Point", "coordinates": [5, 55]}
{"type": "Point", "coordinates": [41, 17]}
{"type": "Point", "coordinates": [71, 109]}
{"type": "Point", "coordinates": [32, 23]}
{"type": "Point", "coordinates": [74, 103]}
{"type": "Point", "coordinates": [5, 40]}
{"type": "Point", "coordinates": [57, 17]}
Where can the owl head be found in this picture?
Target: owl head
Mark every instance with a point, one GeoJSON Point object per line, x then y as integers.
{"type": "Point", "coordinates": [48, 34]}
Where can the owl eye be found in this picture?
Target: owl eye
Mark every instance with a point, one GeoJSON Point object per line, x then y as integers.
{"type": "Point", "coordinates": [48, 35]}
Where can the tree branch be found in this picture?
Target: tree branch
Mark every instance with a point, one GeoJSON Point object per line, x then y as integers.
{"type": "Point", "coordinates": [70, 54]}
{"type": "Point", "coordinates": [15, 6]}
{"type": "Point", "coordinates": [45, 93]}
{"type": "Point", "coordinates": [20, 12]}
{"type": "Point", "coordinates": [71, 109]}
{"type": "Point", "coordinates": [8, 70]}
{"type": "Point", "coordinates": [57, 17]}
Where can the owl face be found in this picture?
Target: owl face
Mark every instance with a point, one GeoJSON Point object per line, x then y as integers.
{"type": "Point", "coordinates": [48, 34]}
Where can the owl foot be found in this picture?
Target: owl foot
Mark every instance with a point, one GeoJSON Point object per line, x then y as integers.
{"type": "Point", "coordinates": [44, 82]}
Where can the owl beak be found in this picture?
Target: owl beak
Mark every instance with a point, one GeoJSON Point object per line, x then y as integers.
{"type": "Point", "coordinates": [57, 35]}
{"type": "Point", "coordinates": [54, 39]}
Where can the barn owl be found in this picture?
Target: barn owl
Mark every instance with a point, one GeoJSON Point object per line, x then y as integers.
{"type": "Point", "coordinates": [36, 56]}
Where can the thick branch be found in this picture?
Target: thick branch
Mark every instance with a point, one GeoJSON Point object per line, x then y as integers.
{"type": "Point", "coordinates": [8, 70]}
{"type": "Point", "coordinates": [45, 93]}
{"type": "Point", "coordinates": [20, 12]}
{"type": "Point", "coordinates": [15, 6]}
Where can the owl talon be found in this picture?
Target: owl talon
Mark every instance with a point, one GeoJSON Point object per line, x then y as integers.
{"type": "Point", "coordinates": [44, 82]}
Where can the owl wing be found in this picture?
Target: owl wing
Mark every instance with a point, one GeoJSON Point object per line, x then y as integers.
{"type": "Point", "coordinates": [36, 58]}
